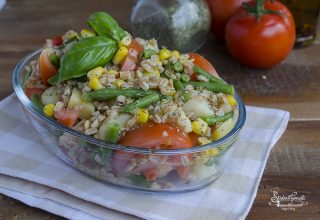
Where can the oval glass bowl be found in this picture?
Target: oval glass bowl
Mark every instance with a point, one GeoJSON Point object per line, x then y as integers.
{"type": "Point", "coordinates": [203, 164]}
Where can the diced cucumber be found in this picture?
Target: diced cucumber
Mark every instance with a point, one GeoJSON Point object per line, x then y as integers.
{"type": "Point", "coordinates": [223, 129]}
{"type": "Point", "coordinates": [113, 132]}
{"type": "Point", "coordinates": [86, 111]}
{"type": "Point", "coordinates": [199, 106]}
{"type": "Point", "coordinates": [202, 171]}
{"type": "Point", "coordinates": [76, 99]}
{"type": "Point", "coordinates": [50, 96]}
{"type": "Point", "coordinates": [104, 129]}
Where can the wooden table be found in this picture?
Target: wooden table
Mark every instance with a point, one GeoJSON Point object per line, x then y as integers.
{"type": "Point", "coordinates": [293, 165]}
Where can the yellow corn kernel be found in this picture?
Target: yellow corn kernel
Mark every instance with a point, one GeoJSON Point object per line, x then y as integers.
{"type": "Point", "coordinates": [199, 126]}
{"type": "Point", "coordinates": [96, 72]}
{"type": "Point", "coordinates": [126, 41]}
{"type": "Point", "coordinates": [120, 55]}
{"type": "Point", "coordinates": [231, 100]}
{"type": "Point", "coordinates": [142, 115]}
{"type": "Point", "coordinates": [95, 84]}
{"type": "Point", "coordinates": [87, 33]}
{"type": "Point", "coordinates": [113, 72]}
{"type": "Point", "coordinates": [213, 151]}
{"type": "Point", "coordinates": [175, 54]}
{"type": "Point", "coordinates": [118, 83]}
{"type": "Point", "coordinates": [48, 109]}
{"type": "Point", "coordinates": [164, 54]}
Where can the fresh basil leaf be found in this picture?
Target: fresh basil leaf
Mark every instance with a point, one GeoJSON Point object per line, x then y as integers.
{"type": "Point", "coordinates": [54, 79]}
{"type": "Point", "coordinates": [83, 56]}
{"type": "Point", "coordinates": [105, 25]}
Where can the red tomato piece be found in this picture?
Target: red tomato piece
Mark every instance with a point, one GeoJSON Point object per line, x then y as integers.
{"type": "Point", "coordinates": [153, 135]}
{"type": "Point", "coordinates": [57, 41]}
{"type": "Point", "coordinates": [203, 63]}
{"type": "Point", "coordinates": [132, 59]}
{"type": "Point", "coordinates": [184, 171]}
{"type": "Point", "coordinates": [67, 117]}
{"type": "Point", "coordinates": [30, 91]}
{"type": "Point", "coordinates": [194, 139]}
{"type": "Point", "coordinates": [120, 161]}
{"type": "Point", "coordinates": [151, 173]}
{"type": "Point", "coordinates": [148, 136]}
{"type": "Point", "coordinates": [46, 68]}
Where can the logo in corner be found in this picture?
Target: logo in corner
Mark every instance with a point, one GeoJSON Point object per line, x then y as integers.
{"type": "Point", "coordinates": [287, 202]}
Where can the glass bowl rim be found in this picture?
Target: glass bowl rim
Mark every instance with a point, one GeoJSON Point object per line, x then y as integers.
{"type": "Point", "coordinates": [30, 106]}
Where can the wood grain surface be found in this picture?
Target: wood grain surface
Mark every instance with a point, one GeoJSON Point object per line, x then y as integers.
{"type": "Point", "coordinates": [293, 165]}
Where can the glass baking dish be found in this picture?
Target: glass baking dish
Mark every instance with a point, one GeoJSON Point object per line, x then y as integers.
{"type": "Point", "coordinates": [202, 164]}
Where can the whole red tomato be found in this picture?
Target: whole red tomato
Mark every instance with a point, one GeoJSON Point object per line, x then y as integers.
{"type": "Point", "coordinates": [221, 11]}
{"type": "Point", "coordinates": [261, 34]}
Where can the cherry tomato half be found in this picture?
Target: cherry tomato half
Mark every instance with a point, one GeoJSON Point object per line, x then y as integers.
{"type": "Point", "coordinates": [203, 63]}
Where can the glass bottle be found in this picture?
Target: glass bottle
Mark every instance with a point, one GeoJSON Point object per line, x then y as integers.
{"type": "Point", "coordinates": [305, 14]}
{"type": "Point", "coordinates": [176, 24]}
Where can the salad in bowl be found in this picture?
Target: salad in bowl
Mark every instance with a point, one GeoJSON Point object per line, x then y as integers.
{"type": "Point", "coordinates": [127, 112]}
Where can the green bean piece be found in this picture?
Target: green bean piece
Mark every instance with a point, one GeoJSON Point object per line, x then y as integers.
{"type": "Point", "coordinates": [110, 93]}
{"type": "Point", "coordinates": [178, 85]}
{"type": "Point", "coordinates": [37, 102]}
{"type": "Point", "coordinates": [113, 132]}
{"type": "Point", "coordinates": [164, 75]}
{"type": "Point", "coordinates": [209, 76]}
{"type": "Point", "coordinates": [141, 103]}
{"type": "Point", "coordinates": [105, 155]}
{"type": "Point", "coordinates": [185, 77]}
{"type": "Point", "coordinates": [214, 87]}
{"type": "Point", "coordinates": [211, 120]}
{"type": "Point", "coordinates": [146, 54]}
{"type": "Point", "coordinates": [178, 67]}
{"type": "Point", "coordinates": [55, 60]}
{"type": "Point", "coordinates": [139, 180]}
{"type": "Point", "coordinates": [186, 96]}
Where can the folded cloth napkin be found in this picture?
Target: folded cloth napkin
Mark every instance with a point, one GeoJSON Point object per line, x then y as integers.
{"type": "Point", "coordinates": [35, 176]}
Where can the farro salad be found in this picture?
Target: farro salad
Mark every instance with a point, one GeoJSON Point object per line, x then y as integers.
{"type": "Point", "coordinates": [106, 84]}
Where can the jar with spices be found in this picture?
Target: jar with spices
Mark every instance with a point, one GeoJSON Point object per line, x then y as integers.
{"type": "Point", "coordinates": [176, 24]}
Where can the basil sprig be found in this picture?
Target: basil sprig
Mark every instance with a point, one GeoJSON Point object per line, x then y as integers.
{"type": "Point", "coordinates": [105, 25]}
{"type": "Point", "coordinates": [83, 56]}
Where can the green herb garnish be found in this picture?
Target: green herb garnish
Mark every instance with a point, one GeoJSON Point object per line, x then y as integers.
{"type": "Point", "coordinates": [83, 56]}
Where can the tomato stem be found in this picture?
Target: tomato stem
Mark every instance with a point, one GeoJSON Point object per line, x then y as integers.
{"type": "Point", "coordinates": [258, 10]}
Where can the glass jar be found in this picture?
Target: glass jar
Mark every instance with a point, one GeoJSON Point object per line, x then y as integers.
{"type": "Point", "coordinates": [305, 15]}
{"type": "Point", "coordinates": [176, 24]}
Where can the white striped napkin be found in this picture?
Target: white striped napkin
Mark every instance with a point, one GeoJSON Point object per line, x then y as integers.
{"type": "Point", "coordinates": [33, 175]}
